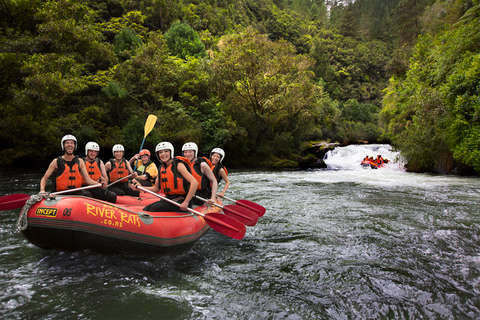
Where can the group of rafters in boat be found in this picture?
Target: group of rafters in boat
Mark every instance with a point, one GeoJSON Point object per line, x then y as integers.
{"type": "Point", "coordinates": [374, 163]}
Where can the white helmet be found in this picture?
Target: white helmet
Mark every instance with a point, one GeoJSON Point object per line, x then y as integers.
{"type": "Point", "coordinates": [91, 146]}
{"type": "Point", "coordinates": [190, 146]}
{"type": "Point", "coordinates": [164, 146]}
{"type": "Point", "coordinates": [118, 147]}
{"type": "Point", "coordinates": [219, 151]}
{"type": "Point", "coordinates": [68, 137]}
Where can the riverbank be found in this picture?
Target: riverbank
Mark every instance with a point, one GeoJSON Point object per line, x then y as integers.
{"type": "Point", "coordinates": [314, 153]}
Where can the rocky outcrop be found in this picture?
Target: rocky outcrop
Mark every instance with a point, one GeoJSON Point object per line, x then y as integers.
{"type": "Point", "coordinates": [316, 153]}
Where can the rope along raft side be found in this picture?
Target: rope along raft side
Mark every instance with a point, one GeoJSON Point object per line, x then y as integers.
{"type": "Point", "coordinates": [22, 223]}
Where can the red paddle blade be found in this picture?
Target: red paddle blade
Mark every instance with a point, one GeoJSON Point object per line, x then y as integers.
{"type": "Point", "coordinates": [258, 209]}
{"type": "Point", "coordinates": [242, 214]}
{"type": "Point", "coordinates": [13, 201]}
{"type": "Point", "coordinates": [226, 225]}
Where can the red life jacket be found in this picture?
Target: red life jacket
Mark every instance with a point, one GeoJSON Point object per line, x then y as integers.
{"type": "Point", "coordinates": [66, 176]}
{"type": "Point", "coordinates": [203, 182]}
{"type": "Point", "coordinates": [118, 171]}
{"type": "Point", "coordinates": [171, 181]}
{"type": "Point", "coordinates": [216, 171]}
{"type": "Point", "coordinates": [93, 169]}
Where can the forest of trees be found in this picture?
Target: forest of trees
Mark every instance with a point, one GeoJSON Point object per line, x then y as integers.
{"type": "Point", "coordinates": [259, 78]}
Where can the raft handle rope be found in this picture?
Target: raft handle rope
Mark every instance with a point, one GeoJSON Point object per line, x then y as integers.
{"type": "Point", "coordinates": [22, 222]}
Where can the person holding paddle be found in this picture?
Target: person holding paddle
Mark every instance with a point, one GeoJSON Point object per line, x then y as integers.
{"type": "Point", "coordinates": [201, 170]}
{"type": "Point", "coordinates": [146, 170]}
{"type": "Point", "coordinates": [96, 171]}
{"type": "Point", "coordinates": [218, 169]}
{"type": "Point", "coordinates": [174, 180]}
{"type": "Point", "coordinates": [119, 169]}
{"type": "Point", "coordinates": [68, 170]}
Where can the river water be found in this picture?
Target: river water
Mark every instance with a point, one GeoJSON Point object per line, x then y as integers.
{"type": "Point", "coordinates": [339, 243]}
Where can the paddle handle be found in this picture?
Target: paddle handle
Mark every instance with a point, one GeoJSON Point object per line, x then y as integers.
{"type": "Point", "coordinates": [227, 198]}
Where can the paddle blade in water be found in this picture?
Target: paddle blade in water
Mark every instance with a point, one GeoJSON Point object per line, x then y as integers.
{"type": "Point", "coordinates": [242, 214]}
{"type": "Point", "coordinates": [13, 201]}
{"type": "Point", "coordinates": [255, 207]}
{"type": "Point", "coordinates": [226, 225]}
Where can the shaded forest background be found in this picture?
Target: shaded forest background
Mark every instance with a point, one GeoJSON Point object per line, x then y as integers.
{"type": "Point", "coordinates": [260, 78]}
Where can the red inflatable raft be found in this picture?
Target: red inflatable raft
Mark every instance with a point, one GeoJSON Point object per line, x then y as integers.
{"type": "Point", "coordinates": [72, 223]}
{"type": "Point", "coordinates": [371, 164]}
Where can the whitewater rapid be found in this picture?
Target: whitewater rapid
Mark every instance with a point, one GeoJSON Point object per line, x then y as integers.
{"type": "Point", "coordinates": [349, 157]}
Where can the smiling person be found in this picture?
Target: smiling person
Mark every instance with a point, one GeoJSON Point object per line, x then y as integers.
{"type": "Point", "coordinates": [117, 169]}
{"type": "Point", "coordinates": [146, 170]}
{"type": "Point", "coordinates": [96, 171]}
{"type": "Point", "coordinates": [68, 170]}
{"type": "Point", "coordinates": [174, 180]}
{"type": "Point", "coordinates": [218, 169]}
{"type": "Point", "coordinates": [207, 184]}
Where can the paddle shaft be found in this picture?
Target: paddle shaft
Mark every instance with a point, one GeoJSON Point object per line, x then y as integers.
{"type": "Point", "coordinates": [221, 223]}
{"type": "Point", "coordinates": [136, 162]}
{"type": "Point", "coordinates": [131, 174]}
{"type": "Point", "coordinates": [77, 189]}
{"type": "Point", "coordinates": [169, 200]}
{"type": "Point", "coordinates": [205, 200]}
{"type": "Point", "coordinates": [15, 201]}
{"type": "Point", "coordinates": [255, 207]}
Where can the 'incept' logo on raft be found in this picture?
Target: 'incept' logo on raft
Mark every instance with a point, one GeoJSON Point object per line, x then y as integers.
{"type": "Point", "coordinates": [48, 212]}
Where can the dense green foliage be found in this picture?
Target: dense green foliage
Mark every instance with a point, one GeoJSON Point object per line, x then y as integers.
{"type": "Point", "coordinates": [432, 114]}
{"type": "Point", "coordinates": [258, 78]}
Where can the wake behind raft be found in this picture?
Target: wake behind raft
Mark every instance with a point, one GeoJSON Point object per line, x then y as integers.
{"type": "Point", "coordinates": [73, 223]}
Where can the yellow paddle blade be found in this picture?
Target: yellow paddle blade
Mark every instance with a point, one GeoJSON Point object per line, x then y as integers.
{"type": "Point", "coordinates": [150, 124]}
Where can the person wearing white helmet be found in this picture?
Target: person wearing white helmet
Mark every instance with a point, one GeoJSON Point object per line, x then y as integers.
{"type": "Point", "coordinates": [68, 178]}
{"type": "Point", "coordinates": [219, 171]}
{"type": "Point", "coordinates": [174, 180]}
{"type": "Point", "coordinates": [96, 171]}
{"type": "Point", "coordinates": [201, 170]}
{"type": "Point", "coordinates": [146, 170]}
{"type": "Point", "coordinates": [118, 168]}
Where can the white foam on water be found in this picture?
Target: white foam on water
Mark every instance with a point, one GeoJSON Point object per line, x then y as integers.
{"type": "Point", "coordinates": [349, 157]}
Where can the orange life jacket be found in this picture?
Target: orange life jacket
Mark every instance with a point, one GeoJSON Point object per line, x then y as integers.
{"type": "Point", "coordinates": [171, 181]}
{"type": "Point", "coordinates": [93, 169]}
{"type": "Point", "coordinates": [118, 171]}
{"type": "Point", "coordinates": [216, 171]}
{"type": "Point", "coordinates": [203, 182]}
{"type": "Point", "coordinates": [67, 178]}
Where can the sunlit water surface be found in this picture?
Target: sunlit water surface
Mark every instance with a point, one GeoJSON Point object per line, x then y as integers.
{"type": "Point", "coordinates": [341, 243]}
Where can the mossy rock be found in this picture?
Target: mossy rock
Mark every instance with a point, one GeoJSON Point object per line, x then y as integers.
{"type": "Point", "coordinates": [311, 162]}
{"type": "Point", "coordinates": [273, 162]}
